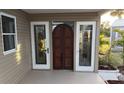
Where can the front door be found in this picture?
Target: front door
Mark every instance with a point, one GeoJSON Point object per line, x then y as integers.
{"type": "Point", "coordinates": [85, 46]}
{"type": "Point", "coordinates": [63, 47]}
{"type": "Point", "coordinates": [40, 45]}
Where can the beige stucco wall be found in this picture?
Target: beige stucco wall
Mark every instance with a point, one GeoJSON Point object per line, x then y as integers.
{"type": "Point", "coordinates": [71, 17]}
{"type": "Point", "coordinates": [14, 66]}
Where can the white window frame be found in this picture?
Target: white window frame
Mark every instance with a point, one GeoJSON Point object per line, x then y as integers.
{"type": "Point", "coordinates": [15, 34]}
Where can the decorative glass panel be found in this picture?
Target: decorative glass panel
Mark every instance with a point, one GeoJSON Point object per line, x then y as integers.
{"type": "Point", "coordinates": [9, 42]}
{"type": "Point", "coordinates": [40, 41]}
{"type": "Point", "coordinates": [8, 24]}
{"type": "Point", "coordinates": [85, 45]}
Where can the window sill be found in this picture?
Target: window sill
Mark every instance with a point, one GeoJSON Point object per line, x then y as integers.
{"type": "Point", "coordinates": [9, 51]}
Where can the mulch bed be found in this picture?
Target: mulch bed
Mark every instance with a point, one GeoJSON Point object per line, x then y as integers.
{"type": "Point", "coordinates": [114, 82]}
{"type": "Point", "coordinates": [121, 68]}
{"type": "Point", "coordinates": [106, 67]}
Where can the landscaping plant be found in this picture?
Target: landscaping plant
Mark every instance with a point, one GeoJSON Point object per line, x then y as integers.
{"type": "Point", "coordinates": [120, 41]}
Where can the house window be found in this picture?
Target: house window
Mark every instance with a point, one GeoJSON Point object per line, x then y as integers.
{"type": "Point", "coordinates": [8, 25]}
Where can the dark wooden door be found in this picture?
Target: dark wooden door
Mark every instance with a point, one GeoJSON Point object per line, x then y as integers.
{"type": "Point", "coordinates": [63, 47]}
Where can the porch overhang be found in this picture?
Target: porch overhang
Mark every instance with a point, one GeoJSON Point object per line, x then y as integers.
{"type": "Point", "coordinates": [39, 11]}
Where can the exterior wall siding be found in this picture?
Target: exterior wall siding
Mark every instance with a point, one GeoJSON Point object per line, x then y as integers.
{"type": "Point", "coordinates": [14, 66]}
{"type": "Point", "coordinates": [91, 16]}
{"type": "Point", "coordinates": [13, 70]}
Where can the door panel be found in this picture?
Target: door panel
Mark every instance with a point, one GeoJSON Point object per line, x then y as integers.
{"type": "Point", "coordinates": [40, 45]}
{"type": "Point", "coordinates": [85, 46]}
{"type": "Point", "coordinates": [57, 53]}
{"type": "Point", "coordinates": [63, 47]}
{"type": "Point", "coordinates": [68, 48]}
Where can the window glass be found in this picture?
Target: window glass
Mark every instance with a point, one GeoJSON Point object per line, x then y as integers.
{"type": "Point", "coordinates": [8, 25]}
{"type": "Point", "coordinates": [85, 45]}
{"type": "Point", "coordinates": [40, 41]}
{"type": "Point", "coordinates": [9, 42]}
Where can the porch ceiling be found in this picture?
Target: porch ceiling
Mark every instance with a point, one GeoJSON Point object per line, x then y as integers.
{"type": "Point", "coordinates": [37, 11]}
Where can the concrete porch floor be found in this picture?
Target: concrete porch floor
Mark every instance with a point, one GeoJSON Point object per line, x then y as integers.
{"type": "Point", "coordinates": [61, 77]}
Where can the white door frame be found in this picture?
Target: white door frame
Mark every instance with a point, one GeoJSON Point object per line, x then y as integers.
{"type": "Point", "coordinates": [85, 68]}
{"type": "Point", "coordinates": [40, 66]}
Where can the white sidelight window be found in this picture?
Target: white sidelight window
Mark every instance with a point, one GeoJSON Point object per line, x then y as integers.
{"type": "Point", "coordinates": [85, 45]}
{"type": "Point", "coordinates": [40, 45]}
{"type": "Point", "coordinates": [9, 34]}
